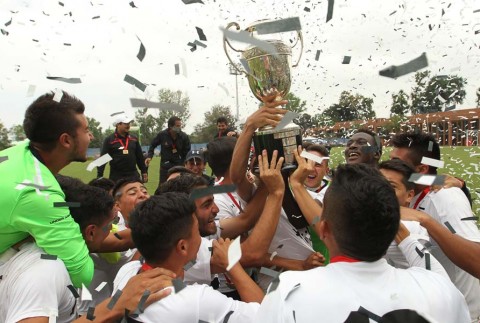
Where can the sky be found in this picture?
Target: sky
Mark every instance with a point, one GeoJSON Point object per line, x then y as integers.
{"type": "Point", "coordinates": [98, 42]}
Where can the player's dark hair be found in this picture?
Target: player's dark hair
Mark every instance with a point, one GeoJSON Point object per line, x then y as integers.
{"type": "Point", "coordinates": [159, 223]}
{"type": "Point", "coordinates": [46, 119]}
{"type": "Point", "coordinates": [362, 211]}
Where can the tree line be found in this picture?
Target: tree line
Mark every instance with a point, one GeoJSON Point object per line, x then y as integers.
{"type": "Point", "coordinates": [430, 93]}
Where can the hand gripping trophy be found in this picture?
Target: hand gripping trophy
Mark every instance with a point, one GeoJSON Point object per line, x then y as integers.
{"type": "Point", "coordinates": [268, 75]}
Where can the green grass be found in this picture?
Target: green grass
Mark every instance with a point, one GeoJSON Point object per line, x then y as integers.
{"type": "Point", "coordinates": [463, 162]}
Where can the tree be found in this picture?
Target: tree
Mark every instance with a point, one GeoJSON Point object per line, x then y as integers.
{"type": "Point", "coordinates": [350, 107]}
{"type": "Point", "coordinates": [400, 106]}
{"type": "Point", "coordinates": [151, 124]}
{"type": "Point", "coordinates": [97, 133]}
{"type": "Point", "coordinates": [4, 141]}
{"type": "Point", "coordinates": [432, 94]}
{"type": "Point", "coordinates": [204, 131]}
{"type": "Point", "coordinates": [295, 104]}
{"type": "Point", "coordinates": [17, 133]}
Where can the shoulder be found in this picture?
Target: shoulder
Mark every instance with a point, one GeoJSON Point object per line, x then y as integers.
{"type": "Point", "coordinates": [125, 273]}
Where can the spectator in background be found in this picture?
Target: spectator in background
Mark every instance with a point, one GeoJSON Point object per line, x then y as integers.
{"type": "Point", "coordinates": [125, 151]}
{"type": "Point", "coordinates": [175, 145]}
{"type": "Point", "coordinates": [224, 129]}
{"type": "Point", "coordinates": [195, 162]}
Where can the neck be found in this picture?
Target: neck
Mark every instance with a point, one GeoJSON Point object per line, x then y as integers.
{"type": "Point", "coordinates": [226, 178]}
{"type": "Point", "coordinates": [172, 133]}
{"type": "Point", "coordinates": [170, 264]}
{"type": "Point", "coordinates": [54, 160]}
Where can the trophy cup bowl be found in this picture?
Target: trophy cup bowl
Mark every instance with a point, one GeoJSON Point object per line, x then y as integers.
{"type": "Point", "coordinates": [269, 79]}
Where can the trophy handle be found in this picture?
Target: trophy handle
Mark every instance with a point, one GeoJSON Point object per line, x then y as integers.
{"type": "Point", "coordinates": [227, 42]}
{"type": "Point", "coordinates": [300, 37]}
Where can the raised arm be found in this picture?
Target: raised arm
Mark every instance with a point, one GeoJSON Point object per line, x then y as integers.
{"type": "Point", "coordinates": [310, 208]}
{"type": "Point", "coordinates": [249, 291]}
{"type": "Point", "coordinates": [266, 115]}
{"type": "Point", "coordinates": [256, 245]}
{"type": "Point", "coordinates": [233, 227]}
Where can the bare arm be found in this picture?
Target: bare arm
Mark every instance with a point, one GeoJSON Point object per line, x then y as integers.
{"type": "Point", "coordinates": [257, 244]}
{"type": "Point", "coordinates": [462, 252]}
{"type": "Point", "coordinates": [266, 115]}
{"type": "Point", "coordinates": [249, 291]}
{"type": "Point", "coordinates": [309, 207]}
{"type": "Point", "coordinates": [233, 227]}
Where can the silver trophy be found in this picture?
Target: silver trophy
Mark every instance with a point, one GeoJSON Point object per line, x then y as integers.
{"type": "Point", "coordinates": [269, 79]}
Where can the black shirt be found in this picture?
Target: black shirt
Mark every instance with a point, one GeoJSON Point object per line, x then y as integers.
{"type": "Point", "coordinates": [173, 151]}
{"type": "Point", "coordinates": [124, 160]}
{"type": "Point", "coordinates": [219, 134]}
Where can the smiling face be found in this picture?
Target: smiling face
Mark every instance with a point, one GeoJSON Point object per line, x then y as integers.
{"type": "Point", "coordinates": [82, 139]}
{"type": "Point", "coordinates": [196, 165]}
{"type": "Point", "coordinates": [314, 180]}
{"type": "Point", "coordinates": [129, 196]}
{"type": "Point", "coordinates": [206, 212]}
{"type": "Point", "coordinates": [356, 151]}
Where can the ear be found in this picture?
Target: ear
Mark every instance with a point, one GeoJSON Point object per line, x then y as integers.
{"type": "Point", "coordinates": [182, 247]}
{"type": "Point", "coordinates": [89, 232]}
{"type": "Point", "coordinates": [423, 169]}
{"type": "Point", "coordinates": [410, 195]}
{"type": "Point", "coordinates": [66, 140]}
{"type": "Point", "coordinates": [323, 230]}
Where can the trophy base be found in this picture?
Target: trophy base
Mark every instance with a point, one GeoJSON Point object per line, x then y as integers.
{"type": "Point", "coordinates": [285, 141]}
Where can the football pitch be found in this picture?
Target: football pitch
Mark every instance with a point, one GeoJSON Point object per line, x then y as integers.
{"type": "Point", "coordinates": [463, 162]}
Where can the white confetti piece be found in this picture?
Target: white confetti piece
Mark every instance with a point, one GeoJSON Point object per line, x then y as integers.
{"type": "Point", "coordinates": [101, 286]}
{"type": "Point", "coordinates": [58, 95]}
{"type": "Point", "coordinates": [287, 118]}
{"type": "Point", "coordinates": [315, 158]}
{"type": "Point", "coordinates": [86, 296]}
{"type": "Point", "coordinates": [432, 162]}
{"type": "Point", "coordinates": [99, 162]}
{"type": "Point", "coordinates": [234, 253]}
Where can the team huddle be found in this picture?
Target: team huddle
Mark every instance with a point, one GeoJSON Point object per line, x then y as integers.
{"type": "Point", "coordinates": [393, 240]}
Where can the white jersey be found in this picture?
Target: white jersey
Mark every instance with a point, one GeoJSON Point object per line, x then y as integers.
{"type": "Point", "coordinates": [451, 208]}
{"type": "Point", "coordinates": [105, 272]}
{"type": "Point", "coordinates": [32, 287]}
{"type": "Point", "coordinates": [395, 255]}
{"type": "Point", "coordinates": [229, 206]}
{"type": "Point", "coordinates": [342, 289]}
{"type": "Point", "coordinates": [201, 272]}
{"type": "Point", "coordinates": [194, 303]}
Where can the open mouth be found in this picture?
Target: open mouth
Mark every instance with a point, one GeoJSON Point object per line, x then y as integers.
{"type": "Point", "coordinates": [311, 176]}
{"type": "Point", "coordinates": [352, 154]}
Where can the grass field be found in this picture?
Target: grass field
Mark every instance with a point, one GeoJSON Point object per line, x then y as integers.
{"type": "Point", "coordinates": [462, 162]}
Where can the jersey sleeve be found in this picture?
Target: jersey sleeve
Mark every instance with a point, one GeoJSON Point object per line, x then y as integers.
{"type": "Point", "coordinates": [54, 230]}
{"type": "Point", "coordinates": [200, 272]}
{"type": "Point", "coordinates": [418, 256]}
{"type": "Point", "coordinates": [451, 208]}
